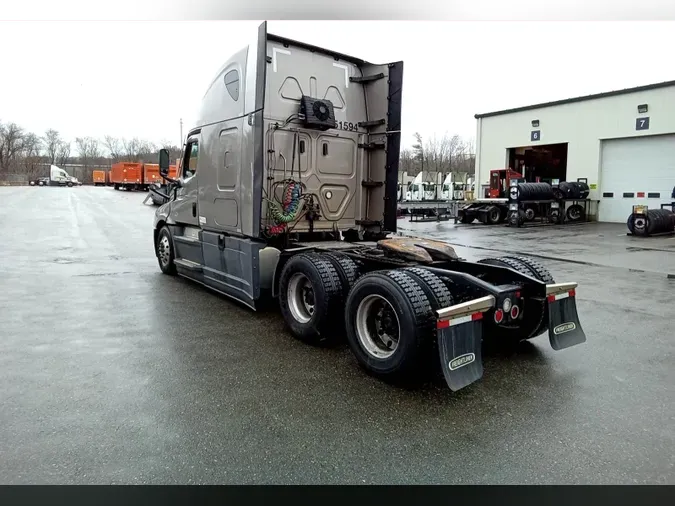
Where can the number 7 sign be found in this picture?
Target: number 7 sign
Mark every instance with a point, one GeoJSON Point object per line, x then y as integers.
{"type": "Point", "coordinates": [642, 124]}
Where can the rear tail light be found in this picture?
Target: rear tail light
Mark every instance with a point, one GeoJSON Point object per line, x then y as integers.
{"type": "Point", "coordinates": [515, 311]}
{"type": "Point", "coordinates": [499, 316]}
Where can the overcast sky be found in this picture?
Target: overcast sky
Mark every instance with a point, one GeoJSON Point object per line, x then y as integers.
{"type": "Point", "coordinates": [137, 79]}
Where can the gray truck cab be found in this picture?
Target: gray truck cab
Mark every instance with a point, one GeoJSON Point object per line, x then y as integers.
{"type": "Point", "coordinates": [283, 119]}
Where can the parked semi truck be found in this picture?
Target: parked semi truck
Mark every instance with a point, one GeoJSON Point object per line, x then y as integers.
{"type": "Point", "coordinates": [288, 191]}
{"type": "Point", "coordinates": [57, 177]}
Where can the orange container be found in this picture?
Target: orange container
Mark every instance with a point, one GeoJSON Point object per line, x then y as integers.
{"type": "Point", "coordinates": [151, 173]}
{"type": "Point", "coordinates": [98, 176]}
{"type": "Point", "coordinates": [126, 173]}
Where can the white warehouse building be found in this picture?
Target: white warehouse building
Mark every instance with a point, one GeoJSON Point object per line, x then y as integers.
{"type": "Point", "coordinates": [622, 142]}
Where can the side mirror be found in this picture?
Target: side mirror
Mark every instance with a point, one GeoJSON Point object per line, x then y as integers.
{"type": "Point", "coordinates": [164, 162]}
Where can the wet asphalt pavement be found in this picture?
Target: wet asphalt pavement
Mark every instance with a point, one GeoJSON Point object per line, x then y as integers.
{"type": "Point", "coordinates": [111, 372]}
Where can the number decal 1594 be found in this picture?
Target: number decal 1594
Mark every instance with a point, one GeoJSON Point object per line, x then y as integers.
{"type": "Point", "coordinates": [351, 127]}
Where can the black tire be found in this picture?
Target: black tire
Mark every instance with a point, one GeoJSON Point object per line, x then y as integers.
{"type": "Point", "coordinates": [116, 186]}
{"type": "Point", "coordinates": [311, 316]}
{"type": "Point", "coordinates": [538, 270]}
{"type": "Point", "coordinates": [347, 269]}
{"type": "Point", "coordinates": [493, 215]}
{"type": "Point", "coordinates": [565, 189]}
{"type": "Point", "coordinates": [530, 213]}
{"type": "Point", "coordinates": [531, 317]}
{"type": "Point", "coordinates": [541, 273]}
{"type": "Point", "coordinates": [584, 190]}
{"type": "Point", "coordinates": [629, 224]}
{"type": "Point", "coordinates": [70, 185]}
{"type": "Point", "coordinates": [401, 295]}
{"type": "Point", "coordinates": [165, 252]}
{"type": "Point", "coordinates": [575, 212]}
{"type": "Point", "coordinates": [467, 218]}
{"type": "Point", "coordinates": [535, 191]}
{"type": "Point", "coordinates": [434, 287]}
{"type": "Point", "coordinates": [554, 215]}
{"type": "Point", "coordinates": [640, 224]}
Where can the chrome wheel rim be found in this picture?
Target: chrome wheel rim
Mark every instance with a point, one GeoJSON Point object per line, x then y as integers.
{"type": "Point", "coordinates": [377, 326]}
{"type": "Point", "coordinates": [300, 296]}
{"type": "Point", "coordinates": [164, 250]}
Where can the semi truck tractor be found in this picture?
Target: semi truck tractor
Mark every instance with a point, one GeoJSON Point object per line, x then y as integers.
{"type": "Point", "coordinates": [288, 191]}
{"type": "Point", "coordinates": [57, 177]}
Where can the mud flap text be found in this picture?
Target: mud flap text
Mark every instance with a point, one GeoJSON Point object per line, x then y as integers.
{"type": "Point", "coordinates": [564, 329]}
{"type": "Point", "coordinates": [459, 346]}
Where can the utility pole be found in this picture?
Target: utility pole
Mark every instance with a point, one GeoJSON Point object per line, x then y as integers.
{"type": "Point", "coordinates": [181, 133]}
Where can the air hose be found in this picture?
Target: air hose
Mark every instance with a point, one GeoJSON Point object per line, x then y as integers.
{"type": "Point", "coordinates": [288, 211]}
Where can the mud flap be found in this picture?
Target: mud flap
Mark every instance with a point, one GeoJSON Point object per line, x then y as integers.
{"type": "Point", "coordinates": [564, 328]}
{"type": "Point", "coordinates": [459, 334]}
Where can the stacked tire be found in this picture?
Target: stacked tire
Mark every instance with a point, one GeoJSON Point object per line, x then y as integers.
{"type": "Point", "coordinates": [654, 221]}
{"type": "Point", "coordinates": [534, 191]}
{"type": "Point", "coordinates": [573, 190]}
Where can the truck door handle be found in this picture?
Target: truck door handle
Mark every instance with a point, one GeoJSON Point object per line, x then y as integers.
{"type": "Point", "coordinates": [194, 209]}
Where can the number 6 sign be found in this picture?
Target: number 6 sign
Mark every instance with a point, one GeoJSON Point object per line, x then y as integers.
{"type": "Point", "coordinates": [535, 135]}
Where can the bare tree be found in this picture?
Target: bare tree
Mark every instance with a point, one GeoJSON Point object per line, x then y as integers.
{"type": "Point", "coordinates": [115, 147]}
{"type": "Point", "coordinates": [89, 151]}
{"type": "Point", "coordinates": [52, 142]}
{"type": "Point", "coordinates": [131, 147]}
{"type": "Point", "coordinates": [30, 156]}
{"type": "Point", "coordinates": [11, 144]}
{"type": "Point", "coordinates": [63, 153]}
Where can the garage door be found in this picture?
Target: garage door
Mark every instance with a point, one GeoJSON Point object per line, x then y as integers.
{"type": "Point", "coordinates": [631, 168]}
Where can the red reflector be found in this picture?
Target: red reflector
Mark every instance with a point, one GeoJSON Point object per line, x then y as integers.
{"type": "Point", "coordinates": [443, 324]}
{"type": "Point", "coordinates": [573, 293]}
{"type": "Point", "coordinates": [477, 316]}
{"type": "Point", "coordinates": [641, 195]}
{"type": "Point", "coordinates": [551, 298]}
{"type": "Point", "coordinates": [517, 295]}
{"type": "Point", "coordinates": [515, 311]}
{"type": "Point", "coordinates": [499, 315]}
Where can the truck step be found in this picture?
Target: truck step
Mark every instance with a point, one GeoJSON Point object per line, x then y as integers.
{"type": "Point", "coordinates": [372, 145]}
{"type": "Point", "coordinates": [372, 124]}
{"type": "Point", "coordinates": [366, 79]}
{"type": "Point", "coordinates": [372, 184]}
{"type": "Point", "coordinates": [368, 223]}
{"type": "Point", "coordinates": [188, 264]}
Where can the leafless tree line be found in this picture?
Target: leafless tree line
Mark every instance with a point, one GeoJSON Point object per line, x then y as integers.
{"type": "Point", "coordinates": [29, 155]}
{"type": "Point", "coordinates": [447, 153]}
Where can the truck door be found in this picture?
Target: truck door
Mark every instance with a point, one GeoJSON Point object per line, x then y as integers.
{"type": "Point", "coordinates": [185, 207]}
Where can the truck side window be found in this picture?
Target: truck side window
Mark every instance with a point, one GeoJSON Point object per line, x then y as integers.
{"type": "Point", "coordinates": [191, 165]}
{"type": "Point", "coordinates": [232, 84]}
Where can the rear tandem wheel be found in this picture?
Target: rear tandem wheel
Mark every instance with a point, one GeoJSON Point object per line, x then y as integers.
{"type": "Point", "coordinates": [390, 324]}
